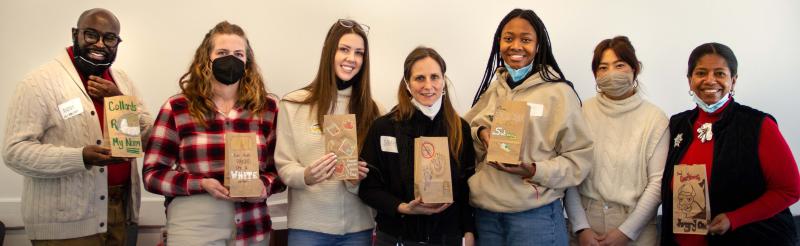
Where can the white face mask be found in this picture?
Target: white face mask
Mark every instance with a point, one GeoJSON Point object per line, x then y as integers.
{"type": "Point", "coordinates": [615, 83]}
{"type": "Point", "coordinates": [427, 111]}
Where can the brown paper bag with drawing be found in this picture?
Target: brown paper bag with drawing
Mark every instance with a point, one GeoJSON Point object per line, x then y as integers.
{"type": "Point", "coordinates": [690, 206]}
{"type": "Point", "coordinates": [241, 165]}
{"type": "Point", "coordinates": [432, 180]}
{"type": "Point", "coordinates": [122, 133]}
{"type": "Point", "coordinates": [340, 136]}
{"type": "Point", "coordinates": [507, 132]}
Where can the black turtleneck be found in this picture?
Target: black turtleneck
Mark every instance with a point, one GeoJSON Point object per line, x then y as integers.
{"type": "Point", "coordinates": [341, 84]}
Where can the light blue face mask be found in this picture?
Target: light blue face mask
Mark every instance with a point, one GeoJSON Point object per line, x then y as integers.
{"type": "Point", "coordinates": [518, 74]}
{"type": "Point", "coordinates": [710, 108]}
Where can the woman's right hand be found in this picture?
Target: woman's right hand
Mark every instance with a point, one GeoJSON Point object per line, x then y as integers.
{"type": "Point", "coordinates": [417, 207]}
{"type": "Point", "coordinates": [483, 134]}
{"type": "Point", "coordinates": [217, 190]}
{"type": "Point", "coordinates": [320, 170]}
{"type": "Point", "coordinates": [587, 237]}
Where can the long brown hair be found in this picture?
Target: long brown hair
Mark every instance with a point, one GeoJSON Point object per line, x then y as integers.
{"type": "Point", "coordinates": [404, 109]}
{"type": "Point", "coordinates": [322, 91]}
{"type": "Point", "coordinates": [196, 84]}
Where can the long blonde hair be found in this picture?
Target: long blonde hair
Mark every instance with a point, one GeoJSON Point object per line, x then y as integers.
{"type": "Point", "coordinates": [404, 109]}
{"type": "Point", "coordinates": [196, 84]}
{"type": "Point", "coordinates": [322, 91]}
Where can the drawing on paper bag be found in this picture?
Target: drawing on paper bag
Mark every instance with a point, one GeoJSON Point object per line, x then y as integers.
{"type": "Point", "coordinates": [122, 133]}
{"type": "Point", "coordinates": [690, 209]}
{"type": "Point", "coordinates": [241, 165]}
{"type": "Point", "coordinates": [507, 131]}
{"type": "Point", "coordinates": [432, 179]}
{"type": "Point", "coordinates": [340, 137]}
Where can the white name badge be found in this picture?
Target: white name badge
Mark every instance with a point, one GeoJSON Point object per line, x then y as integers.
{"type": "Point", "coordinates": [537, 110]}
{"type": "Point", "coordinates": [388, 144]}
{"type": "Point", "coordinates": [71, 108]}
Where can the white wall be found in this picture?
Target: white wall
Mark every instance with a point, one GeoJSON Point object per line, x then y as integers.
{"type": "Point", "coordinates": [161, 36]}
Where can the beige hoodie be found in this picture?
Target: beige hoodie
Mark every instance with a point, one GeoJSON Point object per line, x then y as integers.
{"type": "Point", "coordinates": [557, 139]}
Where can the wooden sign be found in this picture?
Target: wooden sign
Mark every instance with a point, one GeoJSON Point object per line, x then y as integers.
{"type": "Point", "coordinates": [690, 206]}
{"type": "Point", "coordinates": [122, 132]}
{"type": "Point", "coordinates": [340, 136]}
{"type": "Point", "coordinates": [241, 165]}
{"type": "Point", "coordinates": [507, 132]}
{"type": "Point", "coordinates": [432, 179]}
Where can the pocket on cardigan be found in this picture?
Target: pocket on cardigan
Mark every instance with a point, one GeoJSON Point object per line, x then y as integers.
{"type": "Point", "coordinates": [74, 202]}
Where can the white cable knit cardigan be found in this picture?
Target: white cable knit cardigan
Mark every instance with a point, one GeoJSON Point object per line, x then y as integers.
{"type": "Point", "coordinates": [61, 197]}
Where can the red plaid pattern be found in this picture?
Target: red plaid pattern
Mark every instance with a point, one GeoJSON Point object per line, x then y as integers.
{"type": "Point", "coordinates": [180, 153]}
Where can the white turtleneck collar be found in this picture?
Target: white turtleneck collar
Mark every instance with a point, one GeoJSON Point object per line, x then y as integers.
{"type": "Point", "coordinates": [616, 107]}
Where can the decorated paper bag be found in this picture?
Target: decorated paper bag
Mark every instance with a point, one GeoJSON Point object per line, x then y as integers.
{"type": "Point", "coordinates": [340, 135]}
{"type": "Point", "coordinates": [241, 165]}
{"type": "Point", "coordinates": [507, 132]}
{"type": "Point", "coordinates": [432, 181]}
{"type": "Point", "coordinates": [122, 133]}
{"type": "Point", "coordinates": [690, 206]}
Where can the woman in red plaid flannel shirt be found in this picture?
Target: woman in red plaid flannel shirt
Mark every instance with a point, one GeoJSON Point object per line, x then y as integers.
{"type": "Point", "coordinates": [223, 92]}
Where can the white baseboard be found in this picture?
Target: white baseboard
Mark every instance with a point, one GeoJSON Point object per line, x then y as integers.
{"type": "Point", "coordinates": [151, 213]}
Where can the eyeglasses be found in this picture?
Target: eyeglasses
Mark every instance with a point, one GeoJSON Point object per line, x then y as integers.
{"type": "Point", "coordinates": [350, 24]}
{"type": "Point", "coordinates": [92, 36]}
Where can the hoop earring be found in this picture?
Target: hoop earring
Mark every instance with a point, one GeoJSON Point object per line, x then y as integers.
{"type": "Point", "coordinates": [597, 88]}
{"type": "Point", "coordinates": [691, 93]}
{"type": "Point", "coordinates": [733, 92]}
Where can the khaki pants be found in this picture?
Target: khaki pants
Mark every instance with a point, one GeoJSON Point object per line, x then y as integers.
{"type": "Point", "coordinates": [202, 220]}
{"type": "Point", "coordinates": [605, 216]}
{"type": "Point", "coordinates": [117, 224]}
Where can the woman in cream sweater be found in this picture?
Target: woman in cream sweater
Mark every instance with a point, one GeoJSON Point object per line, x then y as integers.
{"type": "Point", "coordinates": [324, 211]}
{"type": "Point", "coordinates": [617, 202]}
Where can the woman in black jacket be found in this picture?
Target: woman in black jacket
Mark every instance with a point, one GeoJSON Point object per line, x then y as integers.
{"type": "Point", "coordinates": [423, 109]}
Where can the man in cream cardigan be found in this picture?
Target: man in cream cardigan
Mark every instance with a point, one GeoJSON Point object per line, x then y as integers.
{"type": "Point", "coordinates": [74, 192]}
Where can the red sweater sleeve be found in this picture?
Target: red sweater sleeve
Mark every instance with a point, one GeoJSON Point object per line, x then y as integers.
{"type": "Point", "coordinates": [780, 172]}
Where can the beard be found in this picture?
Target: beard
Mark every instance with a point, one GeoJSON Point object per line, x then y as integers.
{"type": "Point", "coordinates": [89, 66]}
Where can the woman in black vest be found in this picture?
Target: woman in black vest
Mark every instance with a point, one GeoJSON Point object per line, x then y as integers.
{"type": "Point", "coordinates": [423, 110]}
{"type": "Point", "coordinates": [751, 175]}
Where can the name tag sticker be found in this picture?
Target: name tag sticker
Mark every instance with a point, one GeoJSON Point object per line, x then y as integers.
{"type": "Point", "coordinates": [71, 108]}
{"type": "Point", "coordinates": [537, 110]}
{"type": "Point", "coordinates": [388, 144]}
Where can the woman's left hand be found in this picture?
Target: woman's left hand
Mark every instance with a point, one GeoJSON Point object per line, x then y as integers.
{"type": "Point", "coordinates": [719, 225]}
{"type": "Point", "coordinates": [614, 237]}
{"type": "Point", "coordinates": [469, 239]}
{"type": "Point", "coordinates": [362, 172]}
{"type": "Point", "coordinates": [260, 198]}
{"type": "Point", "coordinates": [525, 170]}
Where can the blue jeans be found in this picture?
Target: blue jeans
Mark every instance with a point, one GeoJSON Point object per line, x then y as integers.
{"type": "Point", "coordinates": [311, 238]}
{"type": "Point", "coordinates": [539, 226]}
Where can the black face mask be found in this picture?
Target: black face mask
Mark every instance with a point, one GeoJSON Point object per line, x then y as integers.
{"type": "Point", "coordinates": [228, 69]}
{"type": "Point", "coordinates": [87, 66]}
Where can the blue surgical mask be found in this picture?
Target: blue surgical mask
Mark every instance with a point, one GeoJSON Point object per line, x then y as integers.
{"type": "Point", "coordinates": [710, 108]}
{"type": "Point", "coordinates": [518, 74]}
